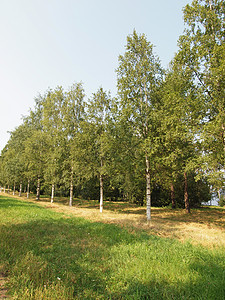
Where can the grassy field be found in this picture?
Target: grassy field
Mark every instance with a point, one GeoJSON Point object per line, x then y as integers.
{"type": "Point", "coordinates": [50, 251]}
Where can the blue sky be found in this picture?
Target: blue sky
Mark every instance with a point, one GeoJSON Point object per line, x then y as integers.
{"type": "Point", "coordinates": [46, 43]}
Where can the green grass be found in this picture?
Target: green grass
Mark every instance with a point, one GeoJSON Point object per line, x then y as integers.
{"type": "Point", "coordinates": [50, 255]}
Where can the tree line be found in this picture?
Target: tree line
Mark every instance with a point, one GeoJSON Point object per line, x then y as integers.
{"type": "Point", "coordinates": [160, 141]}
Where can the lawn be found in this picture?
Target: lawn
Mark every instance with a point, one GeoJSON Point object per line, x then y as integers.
{"type": "Point", "coordinates": [55, 252]}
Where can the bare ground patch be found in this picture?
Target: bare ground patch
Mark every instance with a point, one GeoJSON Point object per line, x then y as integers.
{"type": "Point", "coordinates": [3, 290]}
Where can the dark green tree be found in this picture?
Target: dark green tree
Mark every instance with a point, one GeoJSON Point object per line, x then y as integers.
{"type": "Point", "coordinates": [202, 51]}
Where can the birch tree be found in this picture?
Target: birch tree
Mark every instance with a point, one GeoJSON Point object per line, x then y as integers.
{"type": "Point", "coordinates": [139, 76]}
{"type": "Point", "coordinates": [98, 111]}
{"type": "Point", "coordinates": [90, 144]}
{"type": "Point", "coordinates": [54, 128]}
{"type": "Point", "coordinates": [181, 116]}
{"type": "Point", "coordinates": [74, 113]}
{"type": "Point", "coordinates": [36, 145]}
{"type": "Point", "coordinates": [13, 156]}
{"type": "Point", "coordinates": [202, 51]}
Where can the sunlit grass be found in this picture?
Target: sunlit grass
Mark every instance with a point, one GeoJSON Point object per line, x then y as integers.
{"type": "Point", "coordinates": [54, 255]}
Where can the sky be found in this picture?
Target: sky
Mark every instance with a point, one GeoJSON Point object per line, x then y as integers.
{"type": "Point", "coordinates": [50, 43]}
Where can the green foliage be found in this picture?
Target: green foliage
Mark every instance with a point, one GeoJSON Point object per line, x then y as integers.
{"type": "Point", "coordinates": [202, 52]}
{"type": "Point", "coordinates": [222, 201]}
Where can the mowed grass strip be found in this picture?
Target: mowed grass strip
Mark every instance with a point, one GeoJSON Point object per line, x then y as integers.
{"type": "Point", "coordinates": [47, 255]}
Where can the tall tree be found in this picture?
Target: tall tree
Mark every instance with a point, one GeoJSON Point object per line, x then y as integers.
{"type": "Point", "coordinates": [139, 77]}
{"type": "Point", "coordinates": [54, 128]}
{"type": "Point", "coordinates": [180, 116]}
{"type": "Point", "coordinates": [202, 51]}
{"type": "Point", "coordinates": [74, 114]}
{"type": "Point", "coordinates": [99, 111]}
{"type": "Point", "coordinates": [90, 144]}
{"type": "Point", "coordinates": [36, 144]}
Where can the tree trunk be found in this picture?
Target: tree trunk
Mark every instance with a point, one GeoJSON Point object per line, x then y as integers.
{"type": "Point", "coordinates": [52, 195]}
{"type": "Point", "coordinates": [71, 189]}
{"type": "Point", "coordinates": [172, 195]}
{"type": "Point", "coordinates": [101, 193]}
{"type": "Point", "coordinates": [8, 188]}
{"type": "Point", "coordinates": [223, 137]}
{"type": "Point", "coordinates": [186, 199]}
{"type": "Point", "coordinates": [101, 188]}
{"type": "Point", "coordinates": [219, 196]}
{"type": "Point", "coordinates": [14, 189]}
{"type": "Point", "coordinates": [38, 189]}
{"type": "Point", "coordinates": [20, 192]}
{"type": "Point", "coordinates": [4, 189]}
{"type": "Point", "coordinates": [148, 189]}
{"type": "Point", "coordinates": [28, 189]}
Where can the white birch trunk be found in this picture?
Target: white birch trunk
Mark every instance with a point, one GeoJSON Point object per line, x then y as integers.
{"type": "Point", "coordinates": [101, 188]}
{"type": "Point", "coordinates": [219, 196]}
{"type": "Point", "coordinates": [71, 189]}
{"type": "Point", "coordinates": [4, 189]}
{"type": "Point", "coordinates": [14, 189]}
{"type": "Point", "coordinates": [71, 194]}
{"type": "Point", "coordinates": [101, 193]}
{"type": "Point", "coordinates": [20, 192]}
{"type": "Point", "coordinates": [28, 189]}
{"type": "Point", "coordinates": [8, 188]}
{"type": "Point", "coordinates": [52, 195]}
{"type": "Point", "coordinates": [148, 190]}
{"type": "Point", "coordinates": [38, 189]}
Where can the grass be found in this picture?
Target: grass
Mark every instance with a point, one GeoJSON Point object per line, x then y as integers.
{"type": "Point", "coordinates": [48, 252]}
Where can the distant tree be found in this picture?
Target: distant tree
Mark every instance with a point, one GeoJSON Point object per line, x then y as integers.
{"type": "Point", "coordinates": [35, 153]}
{"type": "Point", "coordinates": [13, 156]}
{"type": "Point", "coordinates": [36, 145]}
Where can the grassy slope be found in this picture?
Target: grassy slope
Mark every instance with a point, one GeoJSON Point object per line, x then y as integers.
{"type": "Point", "coordinates": [54, 255]}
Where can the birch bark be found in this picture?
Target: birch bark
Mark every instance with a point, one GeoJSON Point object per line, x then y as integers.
{"type": "Point", "coordinates": [71, 189]}
{"type": "Point", "coordinates": [38, 189]}
{"type": "Point", "coordinates": [52, 195]}
{"type": "Point", "coordinates": [148, 189]}
{"type": "Point", "coordinates": [14, 189]}
{"type": "Point", "coordinates": [28, 189]}
{"type": "Point", "coordinates": [101, 193]}
{"type": "Point", "coordinates": [20, 192]}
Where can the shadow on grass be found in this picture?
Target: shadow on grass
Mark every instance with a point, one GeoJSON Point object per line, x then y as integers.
{"type": "Point", "coordinates": [206, 215]}
{"type": "Point", "coordinates": [95, 260]}
{"type": "Point", "coordinates": [10, 203]}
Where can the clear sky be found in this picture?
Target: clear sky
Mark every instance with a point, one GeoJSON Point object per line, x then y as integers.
{"type": "Point", "coordinates": [46, 43]}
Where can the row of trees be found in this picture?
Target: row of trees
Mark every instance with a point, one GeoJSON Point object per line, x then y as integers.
{"type": "Point", "coordinates": [164, 130]}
